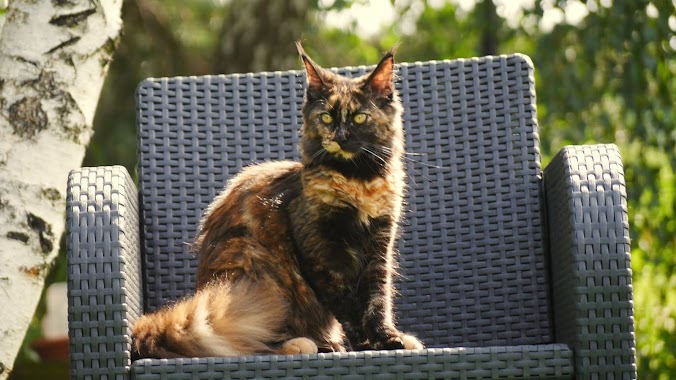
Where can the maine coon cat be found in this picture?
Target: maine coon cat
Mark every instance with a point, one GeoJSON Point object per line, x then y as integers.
{"type": "Point", "coordinates": [298, 257]}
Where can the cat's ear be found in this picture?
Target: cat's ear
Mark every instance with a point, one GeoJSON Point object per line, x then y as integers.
{"type": "Point", "coordinates": [381, 79]}
{"type": "Point", "coordinates": [312, 71]}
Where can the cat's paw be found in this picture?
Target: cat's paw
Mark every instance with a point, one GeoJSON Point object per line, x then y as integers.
{"type": "Point", "coordinates": [392, 343]}
{"type": "Point", "coordinates": [410, 342]}
{"type": "Point", "coordinates": [298, 346]}
{"type": "Point", "coordinates": [399, 342]}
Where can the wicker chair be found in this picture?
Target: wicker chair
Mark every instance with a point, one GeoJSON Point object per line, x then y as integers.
{"type": "Point", "coordinates": [507, 271]}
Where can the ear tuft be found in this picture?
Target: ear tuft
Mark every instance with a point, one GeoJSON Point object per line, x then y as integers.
{"type": "Point", "coordinates": [381, 79]}
{"type": "Point", "coordinates": [312, 70]}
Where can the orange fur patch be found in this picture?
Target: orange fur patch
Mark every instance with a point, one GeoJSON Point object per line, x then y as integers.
{"type": "Point", "coordinates": [372, 199]}
{"type": "Point", "coordinates": [335, 148]}
{"type": "Point", "coordinates": [298, 346]}
{"type": "Point", "coordinates": [219, 320]}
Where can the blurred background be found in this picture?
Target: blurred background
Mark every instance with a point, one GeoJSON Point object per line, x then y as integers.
{"type": "Point", "coordinates": [605, 73]}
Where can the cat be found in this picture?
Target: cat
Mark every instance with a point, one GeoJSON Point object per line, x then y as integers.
{"type": "Point", "coordinates": [294, 257]}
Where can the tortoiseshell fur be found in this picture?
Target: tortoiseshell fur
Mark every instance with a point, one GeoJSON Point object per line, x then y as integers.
{"type": "Point", "coordinates": [300, 255]}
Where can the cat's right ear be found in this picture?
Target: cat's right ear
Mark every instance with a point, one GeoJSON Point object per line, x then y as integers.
{"type": "Point", "coordinates": [381, 79]}
{"type": "Point", "coordinates": [312, 71]}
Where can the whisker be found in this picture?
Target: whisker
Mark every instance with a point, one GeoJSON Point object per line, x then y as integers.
{"type": "Point", "coordinates": [388, 150]}
{"type": "Point", "coordinates": [379, 147]}
{"type": "Point", "coordinates": [374, 154]}
{"type": "Point", "coordinates": [318, 154]}
{"type": "Point", "coordinates": [373, 148]}
{"type": "Point", "coordinates": [368, 162]}
{"type": "Point", "coordinates": [415, 154]}
{"type": "Point", "coordinates": [423, 163]}
{"type": "Point", "coordinates": [419, 173]}
{"type": "Point", "coordinates": [412, 178]}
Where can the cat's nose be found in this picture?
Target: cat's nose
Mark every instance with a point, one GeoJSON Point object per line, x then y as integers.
{"type": "Point", "coordinates": [342, 135]}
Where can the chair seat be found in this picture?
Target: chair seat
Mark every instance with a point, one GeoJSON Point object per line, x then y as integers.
{"type": "Point", "coordinates": [554, 361]}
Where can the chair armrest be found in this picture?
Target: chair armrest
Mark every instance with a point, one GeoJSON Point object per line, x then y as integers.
{"type": "Point", "coordinates": [586, 207]}
{"type": "Point", "coordinates": [104, 291]}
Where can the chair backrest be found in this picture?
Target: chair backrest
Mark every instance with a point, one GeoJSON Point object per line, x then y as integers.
{"type": "Point", "coordinates": [472, 253]}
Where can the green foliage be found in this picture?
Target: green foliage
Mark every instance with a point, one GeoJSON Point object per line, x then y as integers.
{"type": "Point", "coordinates": [440, 34]}
{"type": "Point", "coordinates": [612, 78]}
{"type": "Point", "coordinates": [346, 48]}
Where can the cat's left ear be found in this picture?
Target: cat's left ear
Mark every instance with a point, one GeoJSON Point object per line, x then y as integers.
{"type": "Point", "coordinates": [381, 79]}
{"type": "Point", "coordinates": [312, 71]}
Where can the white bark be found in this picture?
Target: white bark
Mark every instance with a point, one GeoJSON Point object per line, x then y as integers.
{"type": "Point", "coordinates": [54, 56]}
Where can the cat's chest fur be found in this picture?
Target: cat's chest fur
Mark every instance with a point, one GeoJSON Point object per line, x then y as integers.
{"type": "Point", "coordinates": [371, 199]}
{"type": "Point", "coordinates": [345, 222]}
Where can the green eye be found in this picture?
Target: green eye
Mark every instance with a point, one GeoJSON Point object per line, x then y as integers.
{"type": "Point", "coordinates": [326, 118]}
{"type": "Point", "coordinates": [360, 118]}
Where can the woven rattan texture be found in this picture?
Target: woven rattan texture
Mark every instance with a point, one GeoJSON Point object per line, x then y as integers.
{"type": "Point", "coordinates": [103, 271]}
{"type": "Point", "coordinates": [472, 254]}
{"type": "Point", "coordinates": [516, 362]}
{"type": "Point", "coordinates": [591, 266]}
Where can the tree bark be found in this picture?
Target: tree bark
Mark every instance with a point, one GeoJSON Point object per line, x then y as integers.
{"type": "Point", "coordinates": [489, 31]}
{"type": "Point", "coordinates": [258, 35]}
{"type": "Point", "coordinates": [54, 56]}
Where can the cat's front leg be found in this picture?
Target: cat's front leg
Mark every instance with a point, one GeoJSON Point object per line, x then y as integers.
{"type": "Point", "coordinates": [355, 335]}
{"type": "Point", "coordinates": [394, 340]}
{"type": "Point", "coordinates": [377, 319]}
{"type": "Point", "coordinates": [350, 317]}
{"type": "Point", "coordinates": [383, 334]}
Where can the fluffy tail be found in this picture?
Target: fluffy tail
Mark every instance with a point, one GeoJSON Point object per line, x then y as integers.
{"type": "Point", "coordinates": [221, 319]}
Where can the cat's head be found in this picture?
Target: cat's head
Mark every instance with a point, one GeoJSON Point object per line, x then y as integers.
{"type": "Point", "coordinates": [351, 122]}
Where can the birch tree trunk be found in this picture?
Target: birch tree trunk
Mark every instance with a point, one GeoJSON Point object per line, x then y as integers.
{"type": "Point", "coordinates": [54, 56]}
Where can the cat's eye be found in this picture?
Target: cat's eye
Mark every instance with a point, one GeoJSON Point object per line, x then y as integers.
{"type": "Point", "coordinates": [360, 118]}
{"type": "Point", "coordinates": [326, 118]}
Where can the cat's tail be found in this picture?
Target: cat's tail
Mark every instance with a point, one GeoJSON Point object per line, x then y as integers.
{"type": "Point", "coordinates": [222, 319]}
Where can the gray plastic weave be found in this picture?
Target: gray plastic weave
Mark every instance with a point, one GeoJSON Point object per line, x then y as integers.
{"type": "Point", "coordinates": [590, 259]}
{"type": "Point", "coordinates": [517, 362]}
{"type": "Point", "coordinates": [104, 294]}
{"type": "Point", "coordinates": [472, 256]}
